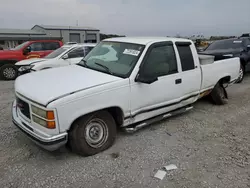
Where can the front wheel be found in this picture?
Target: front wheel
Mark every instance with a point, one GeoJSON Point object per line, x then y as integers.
{"type": "Point", "coordinates": [8, 72]}
{"type": "Point", "coordinates": [219, 95]}
{"type": "Point", "coordinates": [92, 133]}
{"type": "Point", "coordinates": [241, 74]}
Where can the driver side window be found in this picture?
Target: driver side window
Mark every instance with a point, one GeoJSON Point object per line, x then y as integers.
{"type": "Point", "coordinates": [161, 61]}
{"type": "Point", "coordinates": [78, 52]}
{"type": "Point", "coordinates": [37, 46]}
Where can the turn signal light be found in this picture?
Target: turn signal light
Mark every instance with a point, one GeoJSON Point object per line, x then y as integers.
{"type": "Point", "coordinates": [50, 115]}
{"type": "Point", "coordinates": [51, 124]}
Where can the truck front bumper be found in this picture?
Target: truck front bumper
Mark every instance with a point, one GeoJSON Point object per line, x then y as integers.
{"type": "Point", "coordinates": [49, 143]}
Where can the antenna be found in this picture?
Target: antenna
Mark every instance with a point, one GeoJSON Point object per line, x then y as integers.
{"type": "Point", "coordinates": [76, 22]}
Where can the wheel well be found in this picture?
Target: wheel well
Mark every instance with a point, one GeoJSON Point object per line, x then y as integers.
{"type": "Point", "coordinates": [243, 63]}
{"type": "Point", "coordinates": [116, 113]}
{"type": "Point", "coordinates": [225, 80]}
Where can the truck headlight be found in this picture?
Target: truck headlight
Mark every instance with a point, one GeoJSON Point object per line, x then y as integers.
{"type": "Point", "coordinates": [43, 117]}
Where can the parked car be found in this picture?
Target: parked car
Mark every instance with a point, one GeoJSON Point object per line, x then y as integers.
{"type": "Point", "coordinates": [66, 55]}
{"type": "Point", "coordinates": [151, 79]}
{"type": "Point", "coordinates": [229, 48]}
{"type": "Point", "coordinates": [26, 50]}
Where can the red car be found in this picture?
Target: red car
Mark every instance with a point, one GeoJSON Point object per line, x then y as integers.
{"type": "Point", "coordinates": [26, 50]}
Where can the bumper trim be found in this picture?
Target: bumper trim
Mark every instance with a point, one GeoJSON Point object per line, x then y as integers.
{"type": "Point", "coordinates": [64, 138]}
{"type": "Point", "coordinates": [49, 143]}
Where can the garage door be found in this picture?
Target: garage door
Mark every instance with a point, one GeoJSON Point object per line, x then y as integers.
{"type": "Point", "coordinates": [74, 37]}
{"type": "Point", "coordinates": [91, 38]}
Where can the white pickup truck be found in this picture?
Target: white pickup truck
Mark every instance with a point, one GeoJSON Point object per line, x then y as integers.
{"type": "Point", "coordinates": [141, 81]}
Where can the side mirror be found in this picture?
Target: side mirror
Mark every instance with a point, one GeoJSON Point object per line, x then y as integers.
{"type": "Point", "coordinates": [27, 50]}
{"type": "Point", "coordinates": [66, 56]}
{"type": "Point", "coordinates": [145, 79]}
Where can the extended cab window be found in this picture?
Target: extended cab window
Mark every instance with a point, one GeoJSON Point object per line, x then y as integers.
{"type": "Point", "coordinates": [77, 52]}
{"type": "Point", "coordinates": [186, 56]}
{"type": "Point", "coordinates": [37, 46]}
{"type": "Point", "coordinates": [160, 61]}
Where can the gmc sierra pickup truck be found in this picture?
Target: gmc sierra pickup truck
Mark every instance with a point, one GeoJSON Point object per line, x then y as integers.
{"type": "Point", "coordinates": [26, 50]}
{"type": "Point", "coordinates": [139, 81]}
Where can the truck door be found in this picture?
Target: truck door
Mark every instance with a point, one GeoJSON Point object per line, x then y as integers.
{"type": "Point", "coordinates": [190, 71]}
{"type": "Point", "coordinates": [148, 100]}
{"type": "Point", "coordinates": [37, 50]}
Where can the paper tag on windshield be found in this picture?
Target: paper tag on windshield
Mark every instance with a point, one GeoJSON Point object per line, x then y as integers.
{"type": "Point", "coordinates": [131, 52]}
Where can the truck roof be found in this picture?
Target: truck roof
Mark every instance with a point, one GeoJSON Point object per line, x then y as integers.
{"type": "Point", "coordinates": [79, 45]}
{"type": "Point", "coordinates": [145, 40]}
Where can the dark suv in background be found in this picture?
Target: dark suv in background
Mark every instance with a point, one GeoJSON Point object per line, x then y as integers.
{"type": "Point", "coordinates": [229, 48]}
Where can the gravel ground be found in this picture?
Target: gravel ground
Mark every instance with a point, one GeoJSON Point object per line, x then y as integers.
{"type": "Point", "coordinates": [210, 145]}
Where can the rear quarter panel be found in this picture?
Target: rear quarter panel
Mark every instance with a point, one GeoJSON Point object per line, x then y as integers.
{"type": "Point", "coordinates": [212, 73]}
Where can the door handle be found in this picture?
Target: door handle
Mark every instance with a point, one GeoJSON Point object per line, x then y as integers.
{"type": "Point", "coordinates": [178, 81]}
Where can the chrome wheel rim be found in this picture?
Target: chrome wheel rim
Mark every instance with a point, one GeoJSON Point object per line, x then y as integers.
{"type": "Point", "coordinates": [241, 73]}
{"type": "Point", "coordinates": [96, 133]}
{"type": "Point", "coordinates": [9, 73]}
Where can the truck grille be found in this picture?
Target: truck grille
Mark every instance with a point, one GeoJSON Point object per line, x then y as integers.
{"type": "Point", "coordinates": [23, 107]}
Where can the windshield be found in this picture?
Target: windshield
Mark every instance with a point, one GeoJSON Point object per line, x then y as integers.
{"type": "Point", "coordinates": [114, 58]}
{"type": "Point", "coordinates": [56, 53]}
{"type": "Point", "coordinates": [19, 47]}
{"type": "Point", "coordinates": [226, 44]}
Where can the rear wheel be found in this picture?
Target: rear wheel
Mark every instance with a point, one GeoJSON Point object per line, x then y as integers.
{"type": "Point", "coordinates": [8, 72]}
{"type": "Point", "coordinates": [241, 74]}
{"type": "Point", "coordinates": [219, 95]}
{"type": "Point", "coordinates": [92, 133]}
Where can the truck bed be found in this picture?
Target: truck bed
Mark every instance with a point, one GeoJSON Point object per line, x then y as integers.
{"type": "Point", "coordinates": [212, 72]}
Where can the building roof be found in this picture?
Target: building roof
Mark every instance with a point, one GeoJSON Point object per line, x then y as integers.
{"type": "Point", "coordinates": [55, 27]}
{"type": "Point", "coordinates": [20, 32]}
{"type": "Point", "coordinates": [145, 40]}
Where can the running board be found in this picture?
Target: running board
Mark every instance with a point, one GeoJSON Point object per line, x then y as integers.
{"type": "Point", "coordinates": [135, 127]}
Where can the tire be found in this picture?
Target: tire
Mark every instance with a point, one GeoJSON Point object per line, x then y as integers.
{"type": "Point", "coordinates": [219, 95]}
{"type": "Point", "coordinates": [8, 72]}
{"type": "Point", "coordinates": [241, 74]}
{"type": "Point", "coordinates": [92, 133]}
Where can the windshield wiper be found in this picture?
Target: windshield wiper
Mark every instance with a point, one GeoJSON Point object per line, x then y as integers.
{"type": "Point", "coordinates": [84, 63]}
{"type": "Point", "coordinates": [105, 67]}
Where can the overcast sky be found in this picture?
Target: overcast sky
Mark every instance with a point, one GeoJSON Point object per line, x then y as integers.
{"type": "Point", "coordinates": [132, 17]}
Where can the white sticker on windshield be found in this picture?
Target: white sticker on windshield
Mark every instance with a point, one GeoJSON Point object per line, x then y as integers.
{"type": "Point", "coordinates": [131, 52]}
{"type": "Point", "coordinates": [238, 41]}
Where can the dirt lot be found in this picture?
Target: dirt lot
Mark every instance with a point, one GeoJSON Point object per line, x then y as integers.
{"type": "Point", "coordinates": [210, 146]}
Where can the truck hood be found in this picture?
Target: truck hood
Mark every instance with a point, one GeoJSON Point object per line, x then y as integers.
{"type": "Point", "coordinates": [9, 54]}
{"type": "Point", "coordinates": [46, 86]}
{"type": "Point", "coordinates": [29, 61]}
